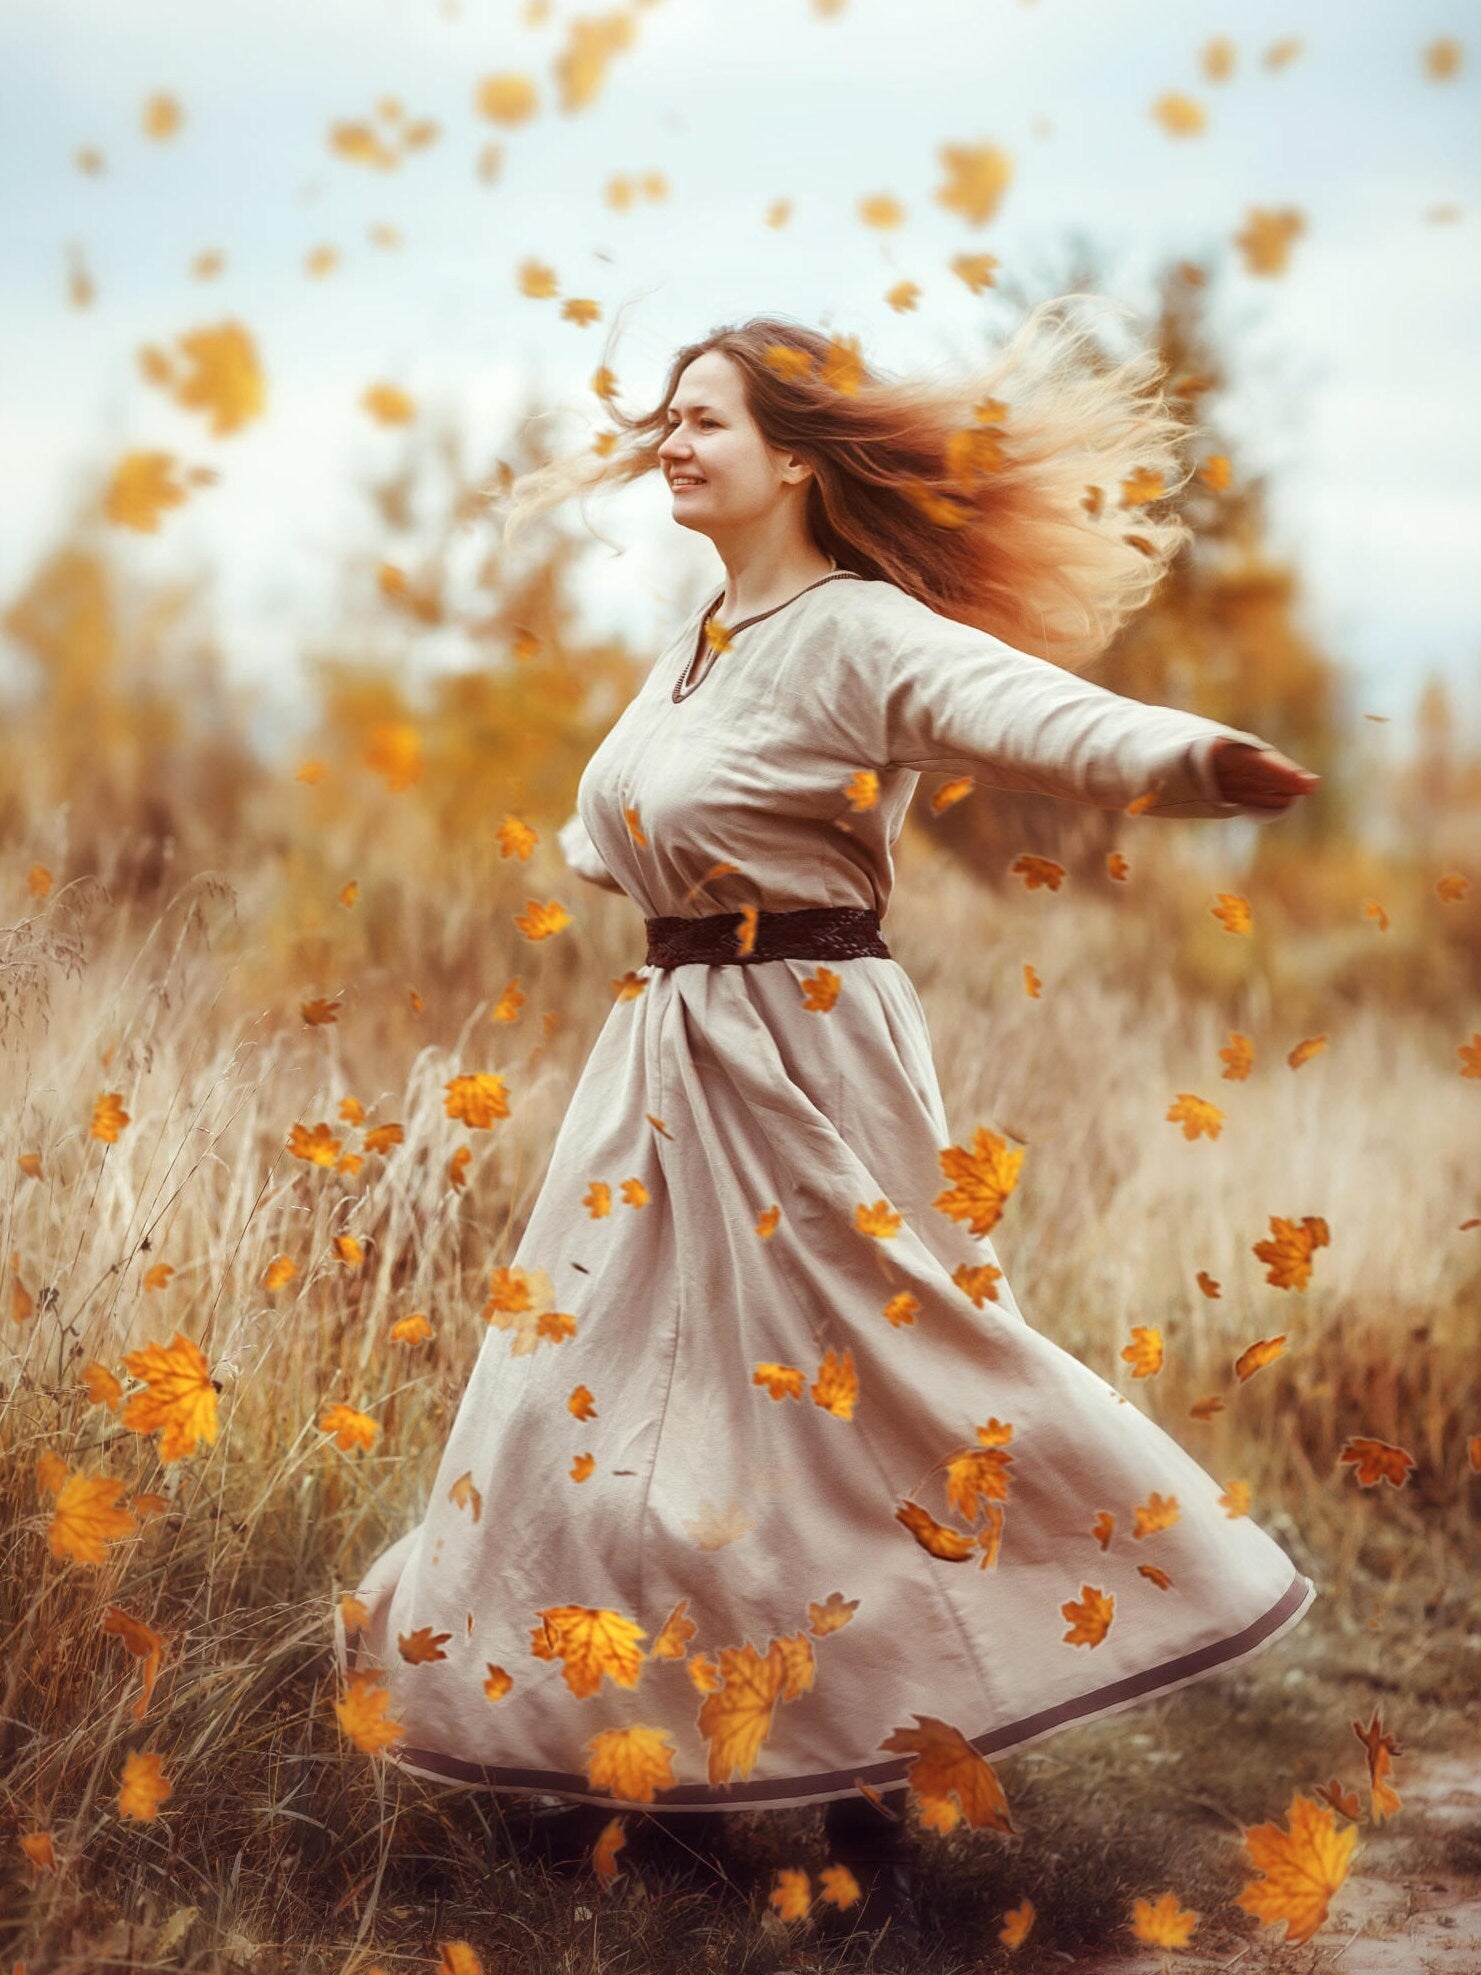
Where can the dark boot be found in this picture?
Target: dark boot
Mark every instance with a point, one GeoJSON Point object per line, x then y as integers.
{"type": "Point", "coordinates": [561, 1836]}
{"type": "Point", "coordinates": [874, 1847]}
{"type": "Point", "coordinates": [691, 1842]}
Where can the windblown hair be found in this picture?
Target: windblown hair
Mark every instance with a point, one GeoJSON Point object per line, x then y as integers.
{"type": "Point", "coordinates": [995, 497]}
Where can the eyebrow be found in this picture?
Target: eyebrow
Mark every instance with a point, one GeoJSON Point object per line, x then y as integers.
{"type": "Point", "coordinates": [693, 408]}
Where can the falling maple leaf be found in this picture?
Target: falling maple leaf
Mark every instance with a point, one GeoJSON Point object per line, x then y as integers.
{"type": "Point", "coordinates": [1090, 1616]}
{"type": "Point", "coordinates": [476, 1099]}
{"type": "Point", "coordinates": [1264, 1351]}
{"type": "Point", "coordinates": [220, 375]}
{"type": "Point", "coordinates": [1238, 1056]}
{"type": "Point", "coordinates": [820, 989]}
{"type": "Point", "coordinates": [604, 1853]}
{"type": "Point", "coordinates": [1301, 1868]}
{"type": "Point", "coordinates": [591, 1642]}
{"type": "Point", "coordinates": [835, 1611]}
{"type": "Point", "coordinates": [836, 1388]}
{"type": "Point", "coordinates": [1016, 1923]}
{"type": "Point", "coordinates": [714, 1527]}
{"type": "Point", "coordinates": [1158, 1512]}
{"type": "Point", "coordinates": [948, 1778]}
{"type": "Point", "coordinates": [87, 1518]}
{"type": "Point", "coordinates": [977, 1282]}
{"type": "Point", "coordinates": [388, 404]}
{"type": "Point", "coordinates": [1038, 873]}
{"type": "Point", "coordinates": [318, 1146]}
{"type": "Point", "coordinates": [364, 1712]}
{"type": "Point", "coordinates": [1379, 1746]}
{"type": "Point", "coordinates": [1162, 1923]}
{"type": "Point", "coordinates": [1196, 1115]}
{"type": "Point", "coordinates": [423, 1646]}
{"type": "Point", "coordinates": [1233, 912]}
{"type": "Point", "coordinates": [1289, 1253]}
{"type": "Point", "coordinates": [103, 1389]}
{"type": "Point", "coordinates": [38, 1848]}
{"type": "Point", "coordinates": [633, 1763]}
{"type": "Point", "coordinates": [880, 1220]}
{"type": "Point", "coordinates": [394, 752]}
{"type": "Point", "coordinates": [1265, 239]}
{"type": "Point", "coordinates": [1180, 115]}
{"type": "Point", "coordinates": [977, 176]}
{"type": "Point", "coordinates": [791, 1895]}
{"type": "Point", "coordinates": [674, 1635]}
{"type": "Point", "coordinates": [1376, 1460]}
{"type": "Point", "coordinates": [161, 117]}
{"type": "Point", "coordinates": [109, 1117]}
{"type": "Point", "coordinates": [142, 487]}
{"type": "Point", "coordinates": [736, 1719]}
{"type": "Point", "coordinates": [781, 1381]}
{"type": "Point", "coordinates": [349, 1428]}
{"type": "Point", "coordinates": [144, 1786]}
{"type": "Point", "coordinates": [839, 1887]}
{"type": "Point", "coordinates": [1144, 1353]}
{"type": "Point", "coordinates": [938, 1539]}
{"type": "Point", "coordinates": [540, 921]}
{"type": "Point", "coordinates": [179, 1400]}
{"type": "Point", "coordinates": [986, 1175]}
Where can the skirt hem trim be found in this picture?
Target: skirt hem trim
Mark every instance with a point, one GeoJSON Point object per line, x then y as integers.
{"type": "Point", "coordinates": [788, 1792]}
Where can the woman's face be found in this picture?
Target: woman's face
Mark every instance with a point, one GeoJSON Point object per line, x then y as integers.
{"type": "Point", "coordinates": [714, 441]}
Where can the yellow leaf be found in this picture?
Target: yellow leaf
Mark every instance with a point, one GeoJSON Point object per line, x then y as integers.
{"type": "Point", "coordinates": [87, 1518]}
{"type": "Point", "coordinates": [1162, 1924]}
{"type": "Point", "coordinates": [1301, 1868]}
{"type": "Point", "coordinates": [633, 1763]}
{"type": "Point", "coordinates": [179, 1399]}
{"type": "Point", "coordinates": [144, 1786]}
{"type": "Point", "coordinates": [590, 1642]}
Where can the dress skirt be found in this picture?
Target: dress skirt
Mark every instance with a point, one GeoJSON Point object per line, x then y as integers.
{"type": "Point", "coordinates": [758, 1453]}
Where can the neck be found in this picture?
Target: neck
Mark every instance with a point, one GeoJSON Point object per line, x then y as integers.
{"type": "Point", "coordinates": [761, 581]}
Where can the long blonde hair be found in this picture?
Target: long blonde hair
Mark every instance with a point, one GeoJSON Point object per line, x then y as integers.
{"type": "Point", "coordinates": [1028, 496]}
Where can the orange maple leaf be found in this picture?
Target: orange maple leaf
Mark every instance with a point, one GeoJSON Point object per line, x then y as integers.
{"type": "Point", "coordinates": [736, 1719]}
{"type": "Point", "coordinates": [590, 1642]}
{"type": "Point", "coordinates": [179, 1402]}
{"type": "Point", "coordinates": [948, 1778]}
{"type": "Point", "coordinates": [1302, 1868]}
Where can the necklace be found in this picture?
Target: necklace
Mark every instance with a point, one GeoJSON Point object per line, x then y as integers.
{"type": "Point", "coordinates": [686, 685]}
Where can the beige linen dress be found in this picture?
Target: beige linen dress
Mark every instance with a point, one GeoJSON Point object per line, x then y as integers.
{"type": "Point", "coordinates": [768, 1518]}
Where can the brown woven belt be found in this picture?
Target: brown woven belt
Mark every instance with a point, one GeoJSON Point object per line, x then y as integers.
{"type": "Point", "coordinates": [816, 932]}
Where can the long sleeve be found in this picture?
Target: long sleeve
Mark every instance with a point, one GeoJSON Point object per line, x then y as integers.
{"type": "Point", "coordinates": [934, 693]}
{"type": "Point", "coordinates": [583, 856]}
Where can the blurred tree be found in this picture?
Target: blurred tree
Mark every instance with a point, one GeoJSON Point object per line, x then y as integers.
{"type": "Point", "coordinates": [521, 697]}
{"type": "Point", "coordinates": [126, 719]}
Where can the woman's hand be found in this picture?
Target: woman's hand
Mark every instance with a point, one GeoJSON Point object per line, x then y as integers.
{"type": "Point", "coordinates": [1260, 777]}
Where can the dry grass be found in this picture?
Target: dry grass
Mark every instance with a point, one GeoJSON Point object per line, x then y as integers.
{"type": "Point", "coordinates": [282, 1846]}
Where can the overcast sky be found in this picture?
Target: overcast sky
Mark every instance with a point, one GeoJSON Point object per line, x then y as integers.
{"type": "Point", "coordinates": [1360, 362]}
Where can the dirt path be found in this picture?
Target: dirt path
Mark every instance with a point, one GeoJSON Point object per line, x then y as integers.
{"type": "Point", "coordinates": [1391, 1916]}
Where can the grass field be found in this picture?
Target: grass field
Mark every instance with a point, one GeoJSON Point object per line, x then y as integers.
{"type": "Point", "coordinates": [283, 1846]}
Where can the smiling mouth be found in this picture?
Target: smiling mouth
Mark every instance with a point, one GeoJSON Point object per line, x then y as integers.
{"type": "Point", "coordinates": [680, 486]}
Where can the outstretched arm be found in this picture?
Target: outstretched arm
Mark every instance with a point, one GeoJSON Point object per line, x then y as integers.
{"type": "Point", "coordinates": [934, 693]}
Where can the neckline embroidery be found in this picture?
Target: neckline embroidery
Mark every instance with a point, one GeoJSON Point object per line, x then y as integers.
{"type": "Point", "coordinates": [682, 690]}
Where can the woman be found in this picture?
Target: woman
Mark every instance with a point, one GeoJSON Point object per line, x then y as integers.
{"type": "Point", "coordinates": [696, 1541]}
